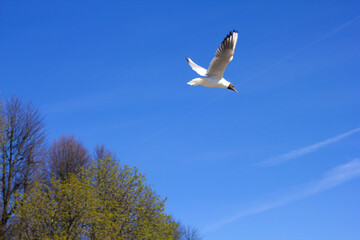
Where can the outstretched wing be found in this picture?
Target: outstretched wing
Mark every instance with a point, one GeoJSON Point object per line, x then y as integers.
{"type": "Point", "coordinates": [223, 56]}
{"type": "Point", "coordinates": [200, 70]}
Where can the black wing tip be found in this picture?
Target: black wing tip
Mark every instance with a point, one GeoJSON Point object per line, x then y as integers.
{"type": "Point", "coordinates": [230, 34]}
{"type": "Point", "coordinates": [187, 59]}
{"type": "Point", "coordinates": [226, 42]}
{"type": "Point", "coordinates": [233, 31]}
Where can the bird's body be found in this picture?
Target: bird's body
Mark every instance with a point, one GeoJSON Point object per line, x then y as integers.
{"type": "Point", "coordinates": [210, 82]}
{"type": "Point", "coordinates": [213, 76]}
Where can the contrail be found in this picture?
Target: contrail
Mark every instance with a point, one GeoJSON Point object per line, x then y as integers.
{"type": "Point", "coordinates": [337, 176]}
{"type": "Point", "coordinates": [302, 49]}
{"type": "Point", "coordinates": [305, 150]}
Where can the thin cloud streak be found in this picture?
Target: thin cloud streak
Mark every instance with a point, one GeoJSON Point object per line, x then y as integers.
{"type": "Point", "coordinates": [302, 151]}
{"type": "Point", "coordinates": [337, 176]}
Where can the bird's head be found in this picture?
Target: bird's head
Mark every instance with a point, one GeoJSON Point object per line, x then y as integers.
{"type": "Point", "coordinates": [231, 87]}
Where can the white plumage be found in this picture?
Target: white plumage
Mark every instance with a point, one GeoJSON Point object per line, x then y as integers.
{"type": "Point", "coordinates": [213, 76]}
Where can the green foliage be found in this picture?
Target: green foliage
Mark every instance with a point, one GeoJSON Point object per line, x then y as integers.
{"type": "Point", "coordinates": [108, 201]}
{"type": "Point", "coordinates": [58, 210]}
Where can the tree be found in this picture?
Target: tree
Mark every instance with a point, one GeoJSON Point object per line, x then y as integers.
{"type": "Point", "coordinates": [101, 152]}
{"type": "Point", "coordinates": [67, 156]}
{"type": "Point", "coordinates": [189, 233]}
{"type": "Point", "coordinates": [82, 198]}
{"type": "Point", "coordinates": [59, 210]}
{"type": "Point", "coordinates": [129, 208]}
{"type": "Point", "coordinates": [110, 201]}
{"type": "Point", "coordinates": [2, 128]}
{"type": "Point", "coordinates": [22, 151]}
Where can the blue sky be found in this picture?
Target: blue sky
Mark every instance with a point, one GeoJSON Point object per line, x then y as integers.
{"type": "Point", "coordinates": [278, 160]}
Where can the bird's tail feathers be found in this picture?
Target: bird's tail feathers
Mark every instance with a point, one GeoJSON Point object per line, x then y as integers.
{"type": "Point", "coordinates": [196, 81]}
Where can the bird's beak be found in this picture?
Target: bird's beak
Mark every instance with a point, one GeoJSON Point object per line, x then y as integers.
{"type": "Point", "coordinates": [231, 87]}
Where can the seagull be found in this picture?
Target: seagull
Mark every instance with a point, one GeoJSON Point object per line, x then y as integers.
{"type": "Point", "coordinates": [214, 74]}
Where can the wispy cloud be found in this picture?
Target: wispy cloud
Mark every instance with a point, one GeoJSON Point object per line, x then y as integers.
{"type": "Point", "coordinates": [331, 179]}
{"type": "Point", "coordinates": [305, 150]}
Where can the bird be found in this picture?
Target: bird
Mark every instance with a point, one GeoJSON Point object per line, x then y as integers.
{"type": "Point", "coordinates": [213, 76]}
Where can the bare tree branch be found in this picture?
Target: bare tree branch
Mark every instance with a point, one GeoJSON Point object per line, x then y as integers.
{"type": "Point", "coordinates": [189, 233]}
{"type": "Point", "coordinates": [22, 150]}
{"type": "Point", "coordinates": [67, 156]}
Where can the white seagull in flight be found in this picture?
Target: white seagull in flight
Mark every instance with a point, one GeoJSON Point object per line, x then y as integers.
{"type": "Point", "coordinates": [214, 74]}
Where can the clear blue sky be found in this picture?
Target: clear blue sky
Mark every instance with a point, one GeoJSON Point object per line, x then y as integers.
{"type": "Point", "coordinates": [278, 160]}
